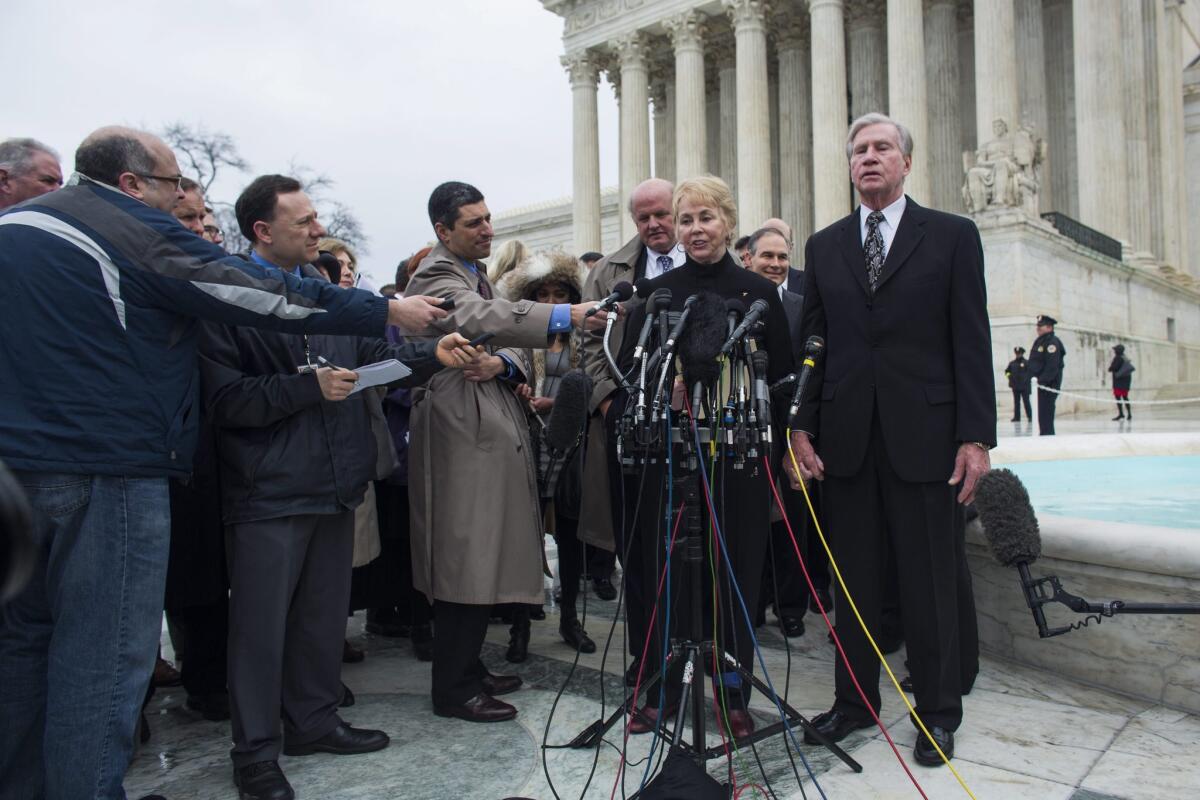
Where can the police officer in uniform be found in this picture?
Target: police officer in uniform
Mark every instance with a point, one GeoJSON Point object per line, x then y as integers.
{"type": "Point", "coordinates": [1046, 364]}
{"type": "Point", "coordinates": [1017, 373]}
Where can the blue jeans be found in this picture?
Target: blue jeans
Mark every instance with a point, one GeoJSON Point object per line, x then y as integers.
{"type": "Point", "coordinates": [77, 645]}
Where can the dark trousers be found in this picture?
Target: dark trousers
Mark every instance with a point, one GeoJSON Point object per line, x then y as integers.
{"type": "Point", "coordinates": [783, 580]}
{"type": "Point", "coordinates": [1020, 398]}
{"type": "Point", "coordinates": [1046, 402]}
{"type": "Point", "coordinates": [570, 562]}
{"type": "Point", "coordinates": [206, 631]}
{"type": "Point", "coordinates": [600, 562]}
{"type": "Point", "coordinates": [386, 584]}
{"type": "Point", "coordinates": [290, 585]}
{"type": "Point", "coordinates": [458, 633]}
{"type": "Point", "coordinates": [874, 513]}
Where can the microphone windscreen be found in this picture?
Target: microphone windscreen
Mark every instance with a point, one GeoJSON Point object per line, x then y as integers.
{"type": "Point", "coordinates": [328, 262]}
{"type": "Point", "coordinates": [660, 300]}
{"type": "Point", "coordinates": [570, 411]}
{"type": "Point", "coordinates": [623, 291]}
{"type": "Point", "coordinates": [735, 305]}
{"type": "Point", "coordinates": [1007, 518]}
{"type": "Point", "coordinates": [814, 346]}
{"type": "Point", "coordinates": [641, 287]}
{"type": "Point", "coordinates": [700, 344]}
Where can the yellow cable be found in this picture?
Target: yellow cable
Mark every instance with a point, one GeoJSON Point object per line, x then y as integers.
{"type": "Point", "coordinates": [853, 607]}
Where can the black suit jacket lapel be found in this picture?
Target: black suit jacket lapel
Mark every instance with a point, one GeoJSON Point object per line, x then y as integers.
{"type": "Point", "coordinates": [852, 250]}
{"type": "Point", "coordinates": [908, 236]}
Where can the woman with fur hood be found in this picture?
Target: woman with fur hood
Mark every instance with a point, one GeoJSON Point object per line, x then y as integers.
{"type": "Point", "coordinates": [553, 277]}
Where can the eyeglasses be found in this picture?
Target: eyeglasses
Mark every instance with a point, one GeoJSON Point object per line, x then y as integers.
{"type": "Point", "coordinates": [173, 179]}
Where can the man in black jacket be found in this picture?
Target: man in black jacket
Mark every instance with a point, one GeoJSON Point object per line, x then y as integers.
{"type": "Point", "coordinates": [1017, 373]}
{"type": "Point", "coordinates": [296, 453]}
{"type": "Point", "coordinates": [903, 412]}
{"type": "Point", "coordinates": [1046, 359]}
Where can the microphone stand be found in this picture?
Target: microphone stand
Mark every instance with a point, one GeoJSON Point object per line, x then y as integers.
{"type": "Point", "coordinates": [696, 648]}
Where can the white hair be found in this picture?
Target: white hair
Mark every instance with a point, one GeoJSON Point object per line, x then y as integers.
{"type": "Point", "coordinates": [875, 118]}
{"type": "Point", "coordinates": [16, 155]}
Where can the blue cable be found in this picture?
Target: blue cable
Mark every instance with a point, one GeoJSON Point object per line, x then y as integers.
{"type": "Point", "coordinates": [750, 625]}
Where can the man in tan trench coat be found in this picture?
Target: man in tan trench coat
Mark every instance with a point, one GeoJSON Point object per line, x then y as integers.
{"type": "Point", "coordinates": [476, 519]}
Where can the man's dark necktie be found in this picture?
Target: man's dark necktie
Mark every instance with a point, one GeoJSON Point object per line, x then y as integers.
{"type": "Point", "coordinates": [484, 288]}
{"type": "Point", "coordinates": [665, 264]}
{"type": "Point", "coordinates": [874, 248]}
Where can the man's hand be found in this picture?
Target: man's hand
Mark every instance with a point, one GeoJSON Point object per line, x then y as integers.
{"type": "Point", "coordinates": [970, 464]}
{"type": "Point", "coordinates": [483, 368]}
{"type": "Point", "coordinates": [336, 384]}
{"type": "Point", "coordinates": [579, 318]}
{"type": "Point", "coordinates": [414, 314]}
{"type": "Point", "coordinates": [454, 351]}
{"type": "Point", "coordinates": [807, 459]}
{"type": "Point", "coordinates": [541, 405]}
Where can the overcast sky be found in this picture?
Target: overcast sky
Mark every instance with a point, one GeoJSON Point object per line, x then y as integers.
{"type": "Point", "coordinates": [386, 98]}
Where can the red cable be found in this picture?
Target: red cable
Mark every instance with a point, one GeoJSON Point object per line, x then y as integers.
{"type": "Point", "coordinates": [836, 640]}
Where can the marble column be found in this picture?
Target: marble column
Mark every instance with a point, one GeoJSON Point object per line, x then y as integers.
{"type": "Point", "coordinates": [753, 111]}
{"type": "Point", "coordinates": [1191, 144]}
{"type": "Point", "coordinates": [831, 180]}
{"type": "Point", "coordinates": [635, 120]}
{"type": "Point", "coordinates": [712, 107]}
{"type": "Point", "coordinates": [1170, 101]}
{"type": "Point", "coordinates": [867, 44]}
{"type": "Point", "coordinates": [907, 96]}
{"type": "Point", "coordinates": [727, 88]}
{"type": "Point", "coordinates": [1137, 145]}
{"type": "Point", "coordinates": [1031, 83]}
{"type": "Point", "coordinates": [773, 106]}
{"type": "Point", "coordinates": [1100, 127]}
{"type": "Point", "coordinates": [795, 125]}
{"type": "Point", "coordinates": [941, 74]}
{"type": "Point", "coordinates": [995, 67]}
{"type": "Point", "coordinates": [1060, 105]}
{"type": "Point", "coordinates": [661, 90]}
{"type": "Point", "coordinates": [585, 175]}
{"type": "Point", "coordinates": [691, 115]}
{"type": "Point", "coordinates": [966, 75]}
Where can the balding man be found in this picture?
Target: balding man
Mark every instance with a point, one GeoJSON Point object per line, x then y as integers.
{"type": "Point", "coordinates": [795, 279]}
{"type": "Point", "coordinates": [98, 338]}
{"type": "Point", "coordinates": [649, 254]}
{"type": "Point", "coordinates": [28, 168]}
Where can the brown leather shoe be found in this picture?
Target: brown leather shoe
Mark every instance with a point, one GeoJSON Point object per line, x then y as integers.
{"type": "Point", "coordinates": [644, 719]}
{"type": "Point", "coordinates": [500, 684]}
{"type": "Point", "coordinates": [741, 724]}
{"type": "Point", "coordinates": [480, 708]}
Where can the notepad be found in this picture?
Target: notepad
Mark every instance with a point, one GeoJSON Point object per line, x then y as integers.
{"type": "Point", "coordinates": [380, 373]}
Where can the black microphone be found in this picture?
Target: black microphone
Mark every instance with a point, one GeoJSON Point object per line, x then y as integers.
{"type": "Point", "coordinates": [565, 428]}
{"type": "Point", "coordinates": [680, 324]}
{"type": "Point", "coordinates": [735, 309]}
{"type": "Point", "coordinates": [643, 287]}
{"type": "Point", "coordinates": [700, 345]}
{"type": "Point", "coordinates": [758, 310]}
{"type": "Point", "coordinates": [328, 262]}
{"type": "Point", "coordinates": [620, 293]}
{"type": "Point", "coordinates": [660, 300]}
{"type": "Point", "coordinates": [759, 361]}
{"type": "Point", "coordinates": [814, 348]}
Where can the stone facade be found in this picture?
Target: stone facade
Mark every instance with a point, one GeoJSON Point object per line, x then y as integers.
{"type": "Point", "coordinates": [760, 93]}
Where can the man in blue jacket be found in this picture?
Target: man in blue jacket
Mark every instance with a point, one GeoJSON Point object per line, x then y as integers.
{"type": "Point", "coordinates": [102, 290]}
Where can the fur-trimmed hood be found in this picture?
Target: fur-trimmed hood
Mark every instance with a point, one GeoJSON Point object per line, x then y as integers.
{"type": "Point", "coordinates": [523, 281]}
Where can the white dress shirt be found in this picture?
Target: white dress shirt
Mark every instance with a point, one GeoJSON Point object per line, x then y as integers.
{"type": "Point", "coordinates": [676, 254]}
{"type": "Point", "coordinates": [887, 228]}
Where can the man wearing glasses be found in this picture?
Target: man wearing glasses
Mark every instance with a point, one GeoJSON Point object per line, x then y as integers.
{"type": "Point", "coordinates": [98, 346]}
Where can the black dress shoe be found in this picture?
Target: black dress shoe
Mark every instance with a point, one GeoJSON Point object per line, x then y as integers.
{"type": "Point", "coordinates": [495, 685]}
{"type": "Point", "coordinates": [835, 725]}
{"type": "Point", "coordinates": [906, 684]}
{"type": "Point", "coordinates": [480, 708]}
{"type": "Point", "coordinates": [341, 741]}
{"type": "Point", "coordinates": [262, 780]}
{"type": "Point", "coordinates": [537, 612]}
{"type": "Point", "coordinates": [213, 706]}
{"type": "Point", "coordinates": [573, 634]}
{"type": "Point", "coordinates": [924, 752]}
{"type": "Point", "coordinates": [792, 627]}
{"type": "Point", "coordinates": [351, 654]}
{"type": "Point", "coordinates": [604, 588]}
{"type": "Point", "coordinates": [422, 641]}
{"type": "Point", "coordinates": [347, 697]}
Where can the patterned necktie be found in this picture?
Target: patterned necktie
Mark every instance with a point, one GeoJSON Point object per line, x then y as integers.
{"type": "Point", "coordinates": [874, 248]}
{"type": "Point", "coordinates": [665, 264]}
{"type": "Point", "coordinates": [484, 288]}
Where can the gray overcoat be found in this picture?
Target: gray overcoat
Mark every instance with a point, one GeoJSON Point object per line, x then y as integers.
{"type": "Point", "coordinates": [476, 524]}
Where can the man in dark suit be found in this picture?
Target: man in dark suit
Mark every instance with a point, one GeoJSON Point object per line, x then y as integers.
{"type": "Point", "coordinates": [795, 277]}
{"type": "Point", "coordinates": [903, 413]}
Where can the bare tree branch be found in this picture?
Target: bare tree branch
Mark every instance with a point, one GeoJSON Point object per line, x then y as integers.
{"type": "Point", "coordinates": [205, 152]}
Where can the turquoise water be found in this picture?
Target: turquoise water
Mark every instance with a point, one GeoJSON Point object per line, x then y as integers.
{"type": "Point", "coordinates": [1146, 490]}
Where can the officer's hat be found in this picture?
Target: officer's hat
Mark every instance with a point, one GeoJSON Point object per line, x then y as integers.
{"type": "Point", "coordinates": [1019, 351]}
{"type": "Point", "coordinates": [1046, 319]}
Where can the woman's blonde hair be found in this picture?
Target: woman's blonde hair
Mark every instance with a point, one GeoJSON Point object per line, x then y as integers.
{"type": "Point", "coordinates": [335, 246]}
{"type": "Point", "coordinates": [509, 255]}
{"type": "Point", "coordinates": [710, 191]}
